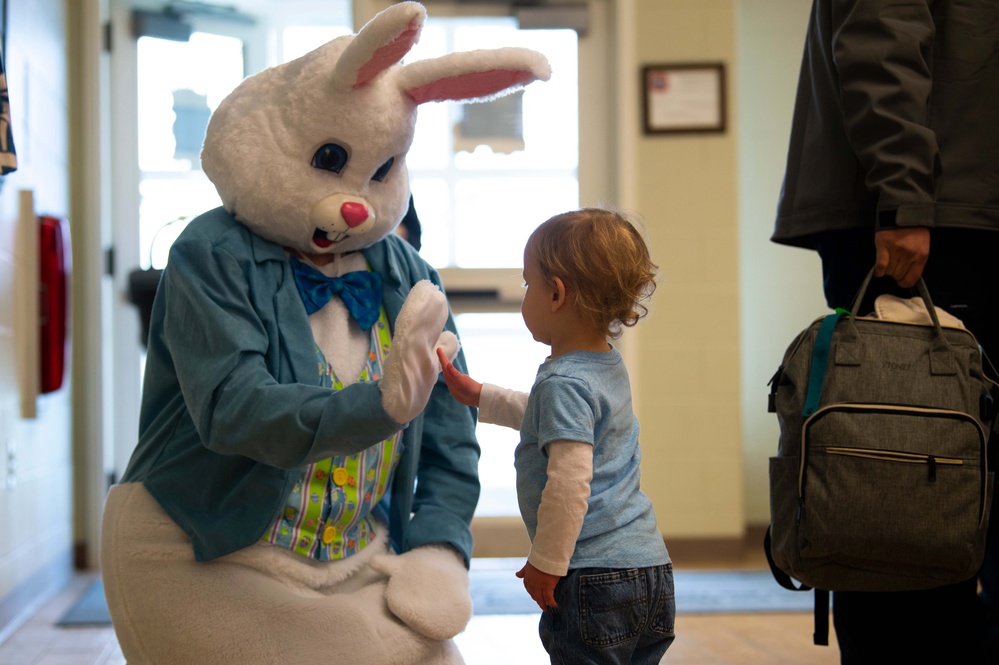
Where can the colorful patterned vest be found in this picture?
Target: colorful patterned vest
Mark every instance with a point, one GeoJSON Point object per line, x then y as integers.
{"type": "Point", "coordinates": [327, 516]}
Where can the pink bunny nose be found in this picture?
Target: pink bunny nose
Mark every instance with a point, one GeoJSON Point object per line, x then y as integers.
{"type": "Point", "coordinates": [354, 214]}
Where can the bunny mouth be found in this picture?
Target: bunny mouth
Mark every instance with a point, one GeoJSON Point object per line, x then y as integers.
{"type": "Point", "coordinates": [322, 240]}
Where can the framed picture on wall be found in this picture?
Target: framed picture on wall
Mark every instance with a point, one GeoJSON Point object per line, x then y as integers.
{"type": "Point", "coordinates": [683, 98]}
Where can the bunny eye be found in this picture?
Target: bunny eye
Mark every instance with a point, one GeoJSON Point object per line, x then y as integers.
{"type": "Point", "coordinates": [330, 157]}
{"type": "Point", "coordinates": [383, 170]}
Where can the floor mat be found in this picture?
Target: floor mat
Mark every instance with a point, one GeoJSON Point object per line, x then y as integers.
{"type": "Point", "coordinates": [496, 590]}
{"type": "Point", "coordinates": [90, 609]}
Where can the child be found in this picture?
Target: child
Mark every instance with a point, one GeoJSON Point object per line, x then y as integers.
{"type": "Point", "coordinates": [598, 567]}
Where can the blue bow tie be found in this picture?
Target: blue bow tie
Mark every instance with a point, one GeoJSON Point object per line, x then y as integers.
{"type": "Point", "coordinates": [361, 291]}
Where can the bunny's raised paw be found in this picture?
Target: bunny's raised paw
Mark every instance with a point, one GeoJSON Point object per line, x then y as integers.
{"type": "Point", "coordinates": [412, 366]}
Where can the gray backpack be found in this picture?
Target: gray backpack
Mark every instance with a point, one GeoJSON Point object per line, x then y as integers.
{"type": "Point", "coordinates": [880, 482]}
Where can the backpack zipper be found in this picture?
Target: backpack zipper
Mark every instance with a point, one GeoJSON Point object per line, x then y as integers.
{"type": "Point", "coordinates": [892, 408]}
{"type": "Point", "coordinates": [898, 456]}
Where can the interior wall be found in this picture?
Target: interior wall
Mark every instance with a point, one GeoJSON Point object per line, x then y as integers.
{"type": "Point", "coordinates": [36, 525]}
{"type": "Point", "coordinates": [687, 387]}
{"type": "Point", "coordinates": [729, 300]}
{"type": "Point", "coordinates": [781, 287]}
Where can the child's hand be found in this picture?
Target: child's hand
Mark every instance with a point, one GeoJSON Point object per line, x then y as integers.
{"type": "Point", "coordinates": [540, 585]}
{"type": "Point", "coordinates": [464, 388]}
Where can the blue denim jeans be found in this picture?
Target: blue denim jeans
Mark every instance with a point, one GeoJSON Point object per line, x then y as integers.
{"type": "Point", "coordinates": [607, 615]}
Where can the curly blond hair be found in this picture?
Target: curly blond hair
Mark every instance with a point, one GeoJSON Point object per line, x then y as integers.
{"type": "Point", "coordinates": [604, 262]}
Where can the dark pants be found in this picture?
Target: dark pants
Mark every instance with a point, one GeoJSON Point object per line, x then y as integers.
{"type": "Point", "coordinates": [943, 625]}
{"type": "Point", "coordinates": [611, 616]}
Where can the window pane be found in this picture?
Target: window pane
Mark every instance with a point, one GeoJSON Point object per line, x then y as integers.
{"type": "Point", "coordinates": [496, 215]}
{"type": "Point", "coordinates": [177, 93]}
{"type": "Point", "coordinates": [297, 40]}
{"type": "Point", "coordinates": [483, 204]}
{"type": "Point", "coordinates": [550, 109]}
{"type": "Point", "coordinates": [433, 208]}
{"type": "Point", "coordinates": [431, 147]}
{"type": "Point", "coordinates": [481, 336]}
{"type": "Point", "coordinates": [433, 41]}
{"type": "Point", "coordinates": [164, 201]}
{"type": "Point", "coordinates": [172, 77]}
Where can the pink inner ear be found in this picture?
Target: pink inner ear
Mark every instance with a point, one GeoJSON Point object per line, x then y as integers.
{"type": "Point", "coordinates": [470, 86]}
{"type": "Point", "coordinates": [387, 55]}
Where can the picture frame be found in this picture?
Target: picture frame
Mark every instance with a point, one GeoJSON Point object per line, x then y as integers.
{"type": "Point", "coordinates": [683, 98]}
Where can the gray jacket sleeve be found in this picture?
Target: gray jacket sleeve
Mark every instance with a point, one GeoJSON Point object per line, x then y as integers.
{"type": "Point", "coordinates": [882, 54]}
{"type": "Point", "coordinates": [219, 348]}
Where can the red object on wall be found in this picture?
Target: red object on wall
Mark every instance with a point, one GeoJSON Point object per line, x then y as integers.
{"type": "Point", "coordinates": [53, 311]}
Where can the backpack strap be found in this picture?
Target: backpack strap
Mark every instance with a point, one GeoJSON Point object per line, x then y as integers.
{"type": "Point", "coordinates": [820, 360]}
{"type": "Point", "coordinates": [820, 636]}
{"type": "Point", "coordinates": [782, 578]}
{"type": "Point", "coordinates": [816, 378]}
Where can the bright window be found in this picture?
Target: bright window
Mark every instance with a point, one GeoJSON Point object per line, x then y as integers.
{"type": "Point", "coordinates": [297, 40]}
{"type": "Point", "coordinates": [477, 208]}
{"type": "Point", "coordinates": [177, 94]}
{"type": "Point", "coordinates": [500, 351]}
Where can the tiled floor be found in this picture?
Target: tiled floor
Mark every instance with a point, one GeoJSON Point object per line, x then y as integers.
{"type": "Point", "coordinates": [486, 641]}
{"type": "Point", "coordinates": [40, 642]}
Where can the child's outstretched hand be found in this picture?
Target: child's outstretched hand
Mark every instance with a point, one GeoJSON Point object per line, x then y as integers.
{"type": "Point", "coordinates": [540, 585]}
{"type": "Point", "coordinates": [463, 388]}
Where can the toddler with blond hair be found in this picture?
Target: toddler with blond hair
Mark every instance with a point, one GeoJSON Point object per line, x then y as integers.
{"type": "Point", "coordinates": [598, 566]}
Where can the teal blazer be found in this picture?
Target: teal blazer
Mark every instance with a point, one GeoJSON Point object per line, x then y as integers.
{"type": "Point", "coordinates": [232, 410]}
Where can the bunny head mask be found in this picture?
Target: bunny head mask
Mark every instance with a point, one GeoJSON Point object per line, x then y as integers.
{"type": "Point", "coordinates": [311, 154]}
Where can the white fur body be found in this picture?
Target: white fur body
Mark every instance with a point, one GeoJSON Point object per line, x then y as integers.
{"type": "Point", "coordinates": [343, 343]}
{"type": "Point", "coordinates": [263, 604]}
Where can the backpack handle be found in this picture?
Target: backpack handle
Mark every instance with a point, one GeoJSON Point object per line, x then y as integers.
{"type": "Point", "coordinates": [941, 355]}
{"type": "Point", "coordinates": [924, 293]}
{"type": "Point", "coordinates": [942, 360]}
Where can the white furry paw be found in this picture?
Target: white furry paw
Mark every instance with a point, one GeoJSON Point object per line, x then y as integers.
{"type": "Point", "coordinates": [449, 344]}
{"type": "Point", "coordinates": [427, 590]}
{"type": "Point", "coordinates": [412, 366]}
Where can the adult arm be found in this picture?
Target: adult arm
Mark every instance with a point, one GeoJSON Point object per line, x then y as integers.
{"type": "Point", "coordinates": [222, 356]}
{"type": "Point", "coordinates": [882, 53]}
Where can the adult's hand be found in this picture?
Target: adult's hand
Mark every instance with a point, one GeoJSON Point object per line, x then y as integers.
{"type": "Point", "coordinates": [902, 254]}
{"type": "Point", "coordinates": [427, 589]}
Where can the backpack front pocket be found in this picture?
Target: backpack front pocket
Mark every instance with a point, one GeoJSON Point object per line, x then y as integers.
{"type": "Point", "coordinates": [901, 485]}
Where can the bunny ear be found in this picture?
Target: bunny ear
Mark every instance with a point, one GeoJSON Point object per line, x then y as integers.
{"type": "Point", "coordinates": [381, 43]}
{"type": "Point", "coordinates": [473, 75]}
